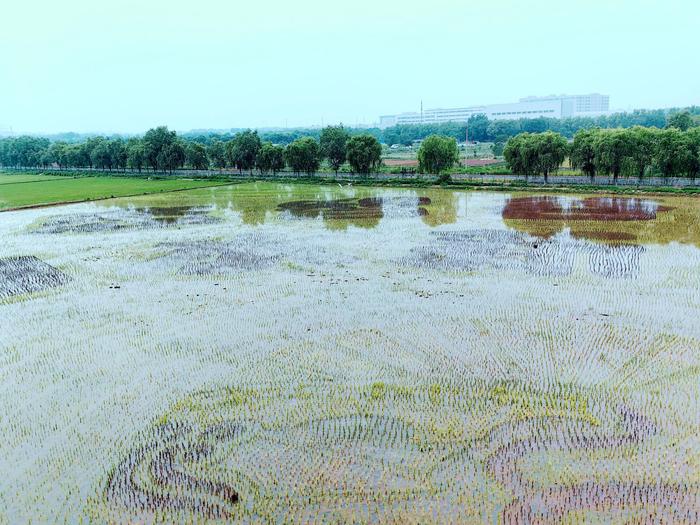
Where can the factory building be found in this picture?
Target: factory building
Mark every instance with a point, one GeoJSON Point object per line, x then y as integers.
{"type": "Point", "coordinates": [553, 106]}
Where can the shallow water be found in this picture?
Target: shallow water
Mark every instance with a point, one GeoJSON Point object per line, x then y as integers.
{"type": "Point", "coordinates": [306, 353]}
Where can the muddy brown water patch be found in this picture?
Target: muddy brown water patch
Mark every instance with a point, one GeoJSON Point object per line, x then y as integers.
{"type": "Point", "coordinates": [27, 274]}
{"type": "Point", "coordinates": [604, 235]}
{"type": "Point", "coordinates": [339, 209]}
{"type": "Point", "coordinates": [589, 209]}
{"type": "Point", "coordinates": [174, 214]}
{"type": "Point", "coordinates": [352, 209]}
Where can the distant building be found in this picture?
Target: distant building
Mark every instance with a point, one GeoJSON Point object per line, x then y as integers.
{"type": "Point", "coordinates": [553, 106]}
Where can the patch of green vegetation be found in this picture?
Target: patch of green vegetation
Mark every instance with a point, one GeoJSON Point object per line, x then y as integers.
{"type": "Point", "coordinates": [378, 391]}
{"type": "Point", "coordinates": [21, 178]}
{"type": "Point", "coordinates": [63, 190]}
{"type": "Point", "coordinates": [176, 182]}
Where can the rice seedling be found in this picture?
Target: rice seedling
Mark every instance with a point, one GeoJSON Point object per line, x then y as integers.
{"type": "Point", "coordinates": [223, 356]}
{"type": "Point", "coordinates": [507, 250]}
{"type": "Point", "coordinates": [218, 454]}
{"type": "Point", "coordinates": [117, 219]}
{"type": "Point", "coordinates": [27, 274]}
{"type": "Point", "coordinates": [245, 252]}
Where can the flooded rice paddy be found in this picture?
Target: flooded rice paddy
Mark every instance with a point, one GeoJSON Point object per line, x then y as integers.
{"type": "Point", "coordinates": [296, 353]}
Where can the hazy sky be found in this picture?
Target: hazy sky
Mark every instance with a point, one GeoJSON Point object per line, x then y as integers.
{"type": "Point", "coordinates": [127, 65]}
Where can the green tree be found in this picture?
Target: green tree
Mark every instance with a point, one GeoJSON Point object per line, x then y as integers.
{"type": "Point", "coordinates": [157, 144]}
{"type": "Point", "coordinates": [364, 153]}
{"type": "Point", "coordinates": [216, 151]}
{"type": "Point", "coordinates": [303, 155]}
{"type": "Point", "coordinates": [693, 158]}
{"type": "Point", "coordinates": [497, 149]}
{"type": "Point", "coordinates": [76, 156]}
{"type": "Point", "coordinates": [196, 156]}
{"type": "Point", "coordinates": [117, 153]}
{"type": "Point", "coordinates": [135, 154]}
{"type": "Point", "coordinates": [242, 150]}
{"type": "Point", "coordinates": [47, 158]}
{"type": "Point", "coordinates": [437, 154]}
{"type": "Point", "coordinates": [59, 153]}
{"type": "Point", "coordinates": [642, 144]}
{"type": "Point", "coordinates": [477, 125]}
{"type": "Point", "coordinates": [535, 125]}
{"type": "Point", "coordinates": [172, 156]}
{"type": "Point", "coordinates": [665, 155]}
{"type": "Point", "coordinates": [502, 130]}
{"type": "Point", "coordinates": [551, 150]}
{"type": "Point", "coordinates": [270, 158]}
{"type": "Point", "coordinates": [333, 143]}
{"type": "Point", "coordinates": [530, 153]}
{"type": "Point", "coordinates": [682, 120]}
{"type": "Point", "coordinates": [520, 154]}
{"type": "Point", "coordinates": [583, 152]}
{"type": "Point", "coordinates": [26, 151]}
{"type": "Point", "coordinates": [100, 154]}
{"type": "Point", "coordinates": [82, 155]}
{"type": "Point", "coordinates": [612, 148]}
{"type": "Point", "coordinates": [686, 161]}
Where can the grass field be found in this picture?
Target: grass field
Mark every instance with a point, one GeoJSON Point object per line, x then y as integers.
{"type": "Point", "coordinates": [18, 191]}
{"type": "Point", "coordinates": [20, 178]}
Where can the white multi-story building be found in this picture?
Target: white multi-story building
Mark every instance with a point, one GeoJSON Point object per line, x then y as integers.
{"type": "Point", "coordinates": [554, 106]}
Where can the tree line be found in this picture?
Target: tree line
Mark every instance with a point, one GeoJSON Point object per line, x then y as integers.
{"type": "Point", "coordinates": [638, 151]}
{"type": "Point", "coordinates": [161, 150]}
{"type": "Point", "coordinates": [482, 129]}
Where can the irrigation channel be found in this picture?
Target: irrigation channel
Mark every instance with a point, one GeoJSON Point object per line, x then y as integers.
{"type": "Point", "coordinates": [295, 353]}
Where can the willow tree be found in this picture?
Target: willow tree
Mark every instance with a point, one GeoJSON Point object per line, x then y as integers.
{"type": "Point", "coordinates": [303, 155]}
{"type": "Point", "coordinates": [613, 148]}
{"type": "Point", "coordinates": [437, 154]}
{"type": "Point", "coordinates": [242, 150]}
{"type": "Point", "coordinates": [364, 153]}
{"type": "Point", "coordinates": [582, 153]}
{"type": "Point", "coordinates": [334, 142]}
{"type": "Point", "coordinates": [270, 158]}
{"type": "Point", "coordinates": [551, 150]}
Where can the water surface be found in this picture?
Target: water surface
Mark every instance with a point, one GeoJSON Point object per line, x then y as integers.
{"type": "Point", "coordinates": [296, 353]}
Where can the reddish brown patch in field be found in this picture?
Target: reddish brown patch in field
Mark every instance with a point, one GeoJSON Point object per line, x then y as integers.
{"type": "Point", "coordinates": [352, 209]}
{"type": "Point", "coordinates": [589, 209]}
{"type": "Point", "coordinates": [168, 215]}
